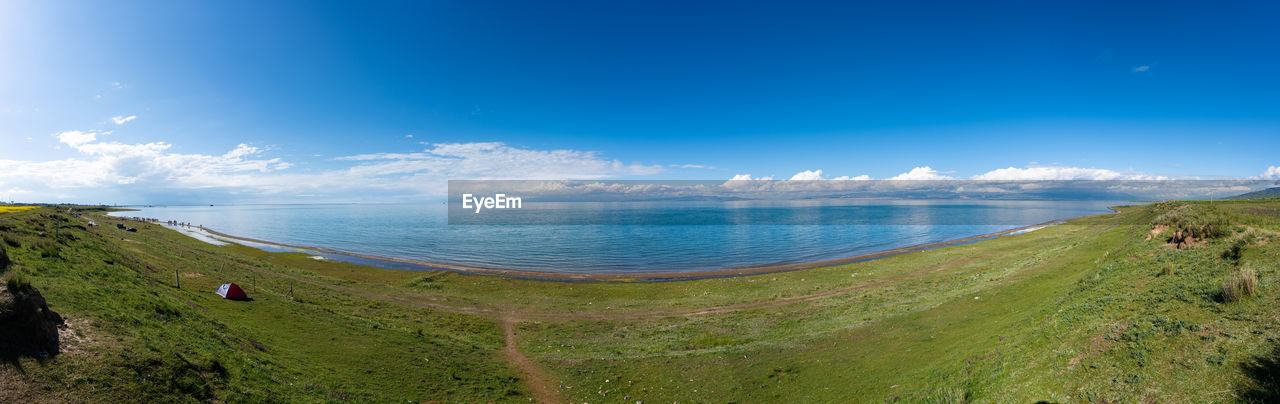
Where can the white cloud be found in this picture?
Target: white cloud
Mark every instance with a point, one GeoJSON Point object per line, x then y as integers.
{"type": "Point", "coordinates": [862, 177]}
{"type": "Point", "coordinates": [1271, 173]}
{"type": "Point", "coordinates": [1142, 68]}
{"type": "Point", "coordinates": [494, 160]}
{"type": "Point", "coordinates": [920, 173]}
{"type": "Point", "coordinates": [105, 171]}
{"type": "Point", "coordinates": [808, 175]}
{"type": "Point", "coordinates": [1062, 173]}
{"type": "Point", "coordinates": [690, 166]}
{"type": "Point", "coordinates": [408, 136]}
{"type": "Point", "coordinates": [103, 166]}
{"type": "Point", "coordinates": [121, 119]}
{"type": "Point", "coordinates": [75, 138]}
{"type": "Point", "coordinates": [817, 175]}
{"type": "Point", "coordinates": [747, 177]}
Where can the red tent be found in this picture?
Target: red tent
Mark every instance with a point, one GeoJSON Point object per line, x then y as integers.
{"type": "Point", "coordinates": [231, 291]}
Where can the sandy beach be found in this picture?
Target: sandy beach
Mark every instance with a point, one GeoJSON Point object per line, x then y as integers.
{"type": "Point", "coordinates": [627, 277]}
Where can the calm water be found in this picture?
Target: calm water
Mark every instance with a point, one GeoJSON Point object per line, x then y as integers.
{"type": "Point", "coordinates": [421, 232]}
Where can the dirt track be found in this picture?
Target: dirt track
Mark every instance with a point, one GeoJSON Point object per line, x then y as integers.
{"type": "Point", "coordinates": [539, 385]}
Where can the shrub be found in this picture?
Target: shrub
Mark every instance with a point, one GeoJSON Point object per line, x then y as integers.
{"type": "Point", "coordinates": [1193, 222]}
{"type": "Point", "coordinates": [1239, 285]}
{"type": "Point", "coordinates": [4, 259]}
{"type": "Point", "coordinates": [1233, 251]}
{"type": "Point", "coordinates": [423, 282]}
{"type": "Point", "coordinates": [17, 282]}
{"type": "Point", "coordinates": [946, 396]}
{"type": "Point", "coordinates": [12, 240]}
{"type": "Point", "coordinates": [48, 249]}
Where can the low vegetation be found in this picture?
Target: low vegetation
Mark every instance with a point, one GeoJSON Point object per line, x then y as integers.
{"type": "Point", "coordinates": [1188, 223]}
{"type": "Point", "coordinates": [1109, 308]}
{"type": "Point", "coordinates": [1240, 284]}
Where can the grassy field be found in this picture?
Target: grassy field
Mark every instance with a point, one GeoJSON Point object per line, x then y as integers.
{"type": "Point", "coordinates": [1172, 302]}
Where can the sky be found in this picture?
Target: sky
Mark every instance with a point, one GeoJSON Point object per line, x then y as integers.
{"type": "Point", "coordinates": [199, 102]}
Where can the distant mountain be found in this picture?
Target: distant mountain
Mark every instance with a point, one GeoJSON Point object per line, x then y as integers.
{"type": "Point", "coordinates": [1269, 193]}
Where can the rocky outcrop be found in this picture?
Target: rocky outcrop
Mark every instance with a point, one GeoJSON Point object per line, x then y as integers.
{"type": "Point", "coordinates": [27, 326]}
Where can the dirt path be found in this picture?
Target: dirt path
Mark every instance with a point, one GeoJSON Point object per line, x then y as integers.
{"type": "Point", "coordinates": [539, 384]}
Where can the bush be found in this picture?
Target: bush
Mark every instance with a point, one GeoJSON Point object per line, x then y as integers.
{"type": "Point", "coordinates": [48, 249]}
{"type": "Point", "coordinates": [1233, 251]}
{"type": "Point", "coordinates": [17, 282]}
{"type": "Point", "coordinates": [1239, 285]}
{"type": "Point", "coordinates": [1243, 237]}
{"type": "Point", "coordinates": [1193, 221]}
{"type": "Point", "coordinates": [12, 240]}
{"type": "Point", "coordinates": [946, 396]}
{"type": "Point", "coordinates": [4, 259]}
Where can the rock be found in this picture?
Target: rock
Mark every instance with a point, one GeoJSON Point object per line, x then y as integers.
{"type": "Point", "coordinates": [27, 325]}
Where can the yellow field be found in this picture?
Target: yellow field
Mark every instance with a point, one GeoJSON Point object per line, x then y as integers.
{"type": "Point", "coordinates": [11, 209]}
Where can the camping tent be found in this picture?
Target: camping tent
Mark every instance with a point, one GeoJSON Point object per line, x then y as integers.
{"type": "Point", "coordinates": [231, 291]}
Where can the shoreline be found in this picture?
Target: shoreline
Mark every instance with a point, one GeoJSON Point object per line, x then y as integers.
{"type": "Point", "coordinates": [640, 276]}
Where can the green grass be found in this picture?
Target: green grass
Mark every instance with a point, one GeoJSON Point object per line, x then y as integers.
{"type": "Point", "coordinates": [1090, 311]}
{"type": "Point", "coordinates": [152, 339]}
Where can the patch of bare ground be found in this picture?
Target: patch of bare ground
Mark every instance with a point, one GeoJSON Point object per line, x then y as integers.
{"type": "Point", "coordinates": [1099, 343]}
{"type": "Point", "coordinates": [1178, 239]}
{"type": "Point", "coordinates": [74, 336]}
{"type": "Point", "coordinates": [1182, 240]}
{"type": "Point", "coordinates": [540, 385]}
{"type": "Point", "coordinates": [16, 387]}
{"type": "Point", "coordinates": [1156, 230]}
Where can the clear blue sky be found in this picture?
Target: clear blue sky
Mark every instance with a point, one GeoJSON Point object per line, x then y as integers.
{"type": "Point", "coordinates": [767, 89]}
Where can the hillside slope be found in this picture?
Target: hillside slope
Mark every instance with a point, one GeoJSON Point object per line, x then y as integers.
{"type": "Point", "coordinates": [1269, 193]}
{"type": "Point", "coordinates": [1170, 302]}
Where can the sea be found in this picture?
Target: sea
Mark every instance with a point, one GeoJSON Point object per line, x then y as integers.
{"type": "Point", "coordinates": [633, 237]}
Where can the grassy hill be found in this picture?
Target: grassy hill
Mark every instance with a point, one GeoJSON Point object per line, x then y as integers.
{"type": "Point", "coordinates": [1269, 193]}
{"type": "Point", "coordinates": [1173, 302]}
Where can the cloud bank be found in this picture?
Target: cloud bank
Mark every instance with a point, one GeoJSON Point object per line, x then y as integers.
{"type": "Point", "coordinates": [114, 172]}
{"type": "Point", "coordinates": [103, 171]}
{"type": "Point", "coordinates": [1063, 174]}
{"type": "Point", "coordinates": [1271, 173]}
{"type": "Point", "coordinates": [920, 174]}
